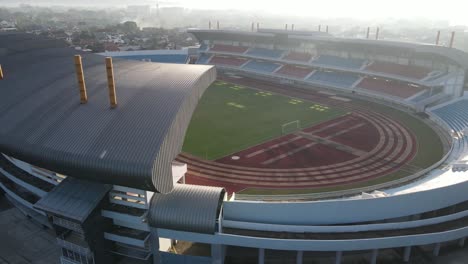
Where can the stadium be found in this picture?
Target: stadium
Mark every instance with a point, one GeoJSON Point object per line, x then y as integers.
{"type": "Point", "coordinates": [278, 146]}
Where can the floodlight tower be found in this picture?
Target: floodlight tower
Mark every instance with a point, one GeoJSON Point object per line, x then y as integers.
{"type": "Point", "coordinates": [157, 9]}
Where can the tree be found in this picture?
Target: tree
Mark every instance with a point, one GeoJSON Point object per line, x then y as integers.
{"type": "Point", "coordinates": [130, 27]}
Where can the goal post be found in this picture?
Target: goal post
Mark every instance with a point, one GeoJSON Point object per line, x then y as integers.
{"type": "Point", "coordinates": [290, 127]}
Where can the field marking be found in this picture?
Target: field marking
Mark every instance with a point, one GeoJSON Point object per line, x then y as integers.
{"type": "Point", "coordinates": [289, 153]}
{"type": "Point", "coordinates": [331, 125]}
{"type": "Point", "coordinates": [271, 147]}
{"type": "Point", "coordinates": [293, 139]}
{"type": "Point", "coordinates": [235, 105]}
{"type": "Point", "coordinates": [336, 145]}
{"type": "Point", "coordinates": [340, 98]}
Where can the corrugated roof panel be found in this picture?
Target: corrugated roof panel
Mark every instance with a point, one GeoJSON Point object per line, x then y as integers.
{"type": "Point", "coordinates": [43, 122]}
{"type": "Point", "coordinates": [190, 208]}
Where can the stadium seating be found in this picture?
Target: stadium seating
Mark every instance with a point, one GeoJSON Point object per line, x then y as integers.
{"type": "Point", "coordinates": [410, 71]}
{"type": "Point", "coordinates": [393, 88]}
{"type": "Point", "coordinates": [228, 61]}
{"type": "Point", "coordinates": [339, 62]}
{"type": "Point", "coordinates": [298, 56]}
{"type": "Point", "coordinates": [261, 66]}
{"type": "Point", "coordinates": [203, 59]}
{"type": "Point", "coordinates": [456, 116]}
{"type": "Point", "coordinates": [203, 47]}
{"type": "Point", "coordinates": [294, 71]}
{"type": "Point", "coordinates": [164, 58]}
{"type": "Point", "coordinates": [339, 79]}
{"type": "Point", "coordinates": [228, 48]}
{"type": "Point", "coordinates": [266, 53]}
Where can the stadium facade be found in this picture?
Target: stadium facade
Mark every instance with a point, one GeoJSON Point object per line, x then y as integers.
{"type": "Point", "coordinates": [105, 179]}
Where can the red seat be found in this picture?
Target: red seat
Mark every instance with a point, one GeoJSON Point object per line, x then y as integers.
{"type": "Point", "coordinates": [231, 61]}
{"type": "Point", "coordinates": [298, 56]}
{"type": "Point", "coordinates": [410, 71]}
{"type": "Point", "coordinates": [294, 71]}
{"type": "Point", "coordinates": [403, 90]}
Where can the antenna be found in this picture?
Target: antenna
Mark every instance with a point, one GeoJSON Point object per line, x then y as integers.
{"type": "Point", "coordinates": [452, 39]}
{"type": "Point", "coordinates": [157, 8]}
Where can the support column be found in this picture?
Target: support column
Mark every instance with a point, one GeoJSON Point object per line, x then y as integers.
{"type": "Point", "coordinates": [338, 256]}
{"type": "Point", "coordinates": [374, 255]}
{"type": "Point", "coordinates": [299, 257]}
{"type": "Point", "coordinates": [436, 250]}
{"type": "Point", "coordinates": [217, 253]}
{"type": "Point", "coordinates": [406, 254]}
{"type": "Point", "coordinates": [154, 239]}
{"type": "Point", "coordinates": [461, 242]}
{"type": "Point", "coordinates": [261, 256]}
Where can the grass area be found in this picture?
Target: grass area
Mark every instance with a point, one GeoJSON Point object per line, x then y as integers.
{"type": "Point", "coordinates": [430, 150]}
{"type": "Point", "coordinates": [230, 118]}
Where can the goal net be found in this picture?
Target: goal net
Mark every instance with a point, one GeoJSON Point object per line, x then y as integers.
{"type": "Point", "coordinates": [290, 127]}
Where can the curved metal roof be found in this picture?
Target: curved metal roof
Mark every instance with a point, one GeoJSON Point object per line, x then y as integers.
{"type": "Point", "coordinates": [455, 55]}
{"type": "Point", "coordinates": [190, 208]}
{"type": "Point", "coordinates": [43, 123]}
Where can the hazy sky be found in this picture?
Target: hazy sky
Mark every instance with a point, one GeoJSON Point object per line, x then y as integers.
{"type": "Point", "coordinates": [456, 11]}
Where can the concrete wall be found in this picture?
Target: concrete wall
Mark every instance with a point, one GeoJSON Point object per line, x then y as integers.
{"type": "Point", "coordinates": [345, 211]}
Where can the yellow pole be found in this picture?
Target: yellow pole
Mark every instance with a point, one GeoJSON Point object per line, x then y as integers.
{"type": "Point", "coordinates": [81, 80]}
{"type": "Point", "coordinates": [111, 82]}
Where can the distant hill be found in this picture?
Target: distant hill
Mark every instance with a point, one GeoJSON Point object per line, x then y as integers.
{"type": "Point", "coordinates": [77, 3]}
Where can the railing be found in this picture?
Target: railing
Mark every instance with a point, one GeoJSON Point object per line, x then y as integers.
{"type": "Point", "coordinates": [344, 228]}
{"type": "Point", "coordinates": [67, 224]}
{"type": "Point", "coordinates": [324, 66]}
{"type": "Point", "coordinates": [73, 247]}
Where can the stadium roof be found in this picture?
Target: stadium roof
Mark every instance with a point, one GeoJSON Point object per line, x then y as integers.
{"type": "Point", "coordinates": [74, 199]}
{"type": "Point", "coordinates": [43, 122]}
{"type": "Point", "coordinates": [190, 208]}
{"type": "Point", "coordinates": [266, 36]}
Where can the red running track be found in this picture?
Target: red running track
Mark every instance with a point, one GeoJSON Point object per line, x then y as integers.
{"type": "Point", "coordinates": [385, 146]}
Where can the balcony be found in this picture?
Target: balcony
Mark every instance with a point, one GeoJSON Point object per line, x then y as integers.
{"type": "Point", "coordinates": [124, 213]}
{"type": "Point", "coordinates": [131, 251]}
{"type": "Point", "coordinates": [74, 242]}
{"type": "Point", "coordinates": [18, 192]}
{"type": "Point", "coordinates": [128, 236]}
{"type": "Point", "coordinates": [40, 187]}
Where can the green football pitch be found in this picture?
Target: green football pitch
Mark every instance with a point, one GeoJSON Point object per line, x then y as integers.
{"type": "Point", "coordinates": [230, 118]}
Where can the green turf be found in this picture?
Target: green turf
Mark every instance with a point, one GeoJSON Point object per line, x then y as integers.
{"type": "Point", "coordinates": [230, 118]}
{"type": "Point", "coordinates": [430, 150]}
